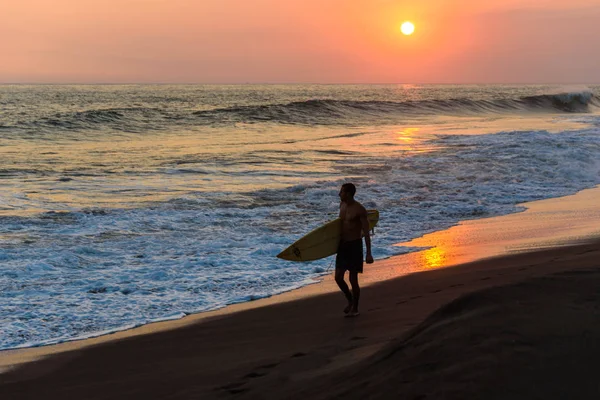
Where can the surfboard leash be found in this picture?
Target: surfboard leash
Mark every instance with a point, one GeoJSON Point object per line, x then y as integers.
{"type": "Point", "coordinates": [330, 264]}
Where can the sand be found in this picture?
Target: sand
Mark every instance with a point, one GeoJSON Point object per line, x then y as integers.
{"type": "Point", "coordinates": [522, 325]}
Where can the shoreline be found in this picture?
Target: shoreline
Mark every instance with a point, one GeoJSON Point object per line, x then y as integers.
{"type": "Point", "coordinates": [307, 349]}
{"type": "Point", "coordinates": [575, 219]}
{"type": "Point", "coordinates": [299, 345]}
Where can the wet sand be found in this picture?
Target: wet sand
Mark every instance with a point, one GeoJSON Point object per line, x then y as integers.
{"type": "Point", "coordinates": [522, 324]}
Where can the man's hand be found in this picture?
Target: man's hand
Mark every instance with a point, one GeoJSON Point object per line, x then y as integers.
{"type": "Point", "coordinates": [369, 259]}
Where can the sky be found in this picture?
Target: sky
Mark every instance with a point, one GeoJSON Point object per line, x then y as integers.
{"type": "Point", "coordinates": [299, 41]}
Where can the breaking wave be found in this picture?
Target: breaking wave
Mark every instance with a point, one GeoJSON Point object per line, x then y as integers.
{"type": "Point", "coordinates": [327, 112]}
{"type": "Point", "coordinates": [309, 112]}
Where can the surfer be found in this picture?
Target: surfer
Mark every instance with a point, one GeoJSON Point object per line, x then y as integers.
{"type": "Point", "coordinates": [350, 251]}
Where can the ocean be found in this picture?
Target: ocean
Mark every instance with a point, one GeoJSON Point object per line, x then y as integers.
{"type": "Point", "coordinates": [127, 204]}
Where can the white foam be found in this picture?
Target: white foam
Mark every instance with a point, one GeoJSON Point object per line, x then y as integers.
{"type": "Point", "coordinates": [83, 273]}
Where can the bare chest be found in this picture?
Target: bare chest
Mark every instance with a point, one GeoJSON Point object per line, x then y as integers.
{"type": "Point", "coordinates": [349, 215]}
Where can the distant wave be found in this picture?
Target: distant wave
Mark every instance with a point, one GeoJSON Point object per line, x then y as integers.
{"type": "Point", "coordinates": [313, 112]}
{"type": "Point", "coordinates": [134, 119]}
{"type": "Point", "coordinates": [310, 112]}
{"type": "Point", "coordinates": [567, 102]}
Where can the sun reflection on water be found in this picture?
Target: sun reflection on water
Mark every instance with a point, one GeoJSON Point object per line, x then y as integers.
{"type": "Point", "coordinates": [408, 134]}
{"type": "Point", "coordinates": [413, 140]}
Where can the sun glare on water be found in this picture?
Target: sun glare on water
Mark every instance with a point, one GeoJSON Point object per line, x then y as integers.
{"type": "Point", "coordinates": [407, 28]}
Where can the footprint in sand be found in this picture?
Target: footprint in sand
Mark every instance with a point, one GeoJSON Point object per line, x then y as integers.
{"type": "Point", "coordinates": [234, 388]}
{"type": "Point", "coordinates": [255, 374]}
{"type": "Point", "coordinates": [576, 272]}
{"type": "Point", "coordinates": [269, 366]}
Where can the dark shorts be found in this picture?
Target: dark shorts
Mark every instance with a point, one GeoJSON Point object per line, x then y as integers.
{"type": "Point", "coordinates": [350, 256]}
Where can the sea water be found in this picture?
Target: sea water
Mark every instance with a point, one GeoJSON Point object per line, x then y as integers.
{"type": "Point", "coordinates": [123, 205]}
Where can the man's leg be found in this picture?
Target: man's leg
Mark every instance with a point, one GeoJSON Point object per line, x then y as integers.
{"type": "Point", "coordinates": [339, 279]}
{"type": "Point", "coordinates": [355, 290]}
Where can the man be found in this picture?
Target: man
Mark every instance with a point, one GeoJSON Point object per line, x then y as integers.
{"type": "Point", "coordinates": [350, 251]}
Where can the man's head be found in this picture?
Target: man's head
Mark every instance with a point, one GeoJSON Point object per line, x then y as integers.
{"type": "Point", "coordinates": [347, 192]}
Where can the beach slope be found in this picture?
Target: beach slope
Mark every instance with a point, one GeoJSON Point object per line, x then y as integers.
{"type": "Point", "coordinates": [535, 339]}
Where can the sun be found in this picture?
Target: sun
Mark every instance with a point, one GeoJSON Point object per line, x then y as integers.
{"type": "Point", "coordinates": [407, 28]}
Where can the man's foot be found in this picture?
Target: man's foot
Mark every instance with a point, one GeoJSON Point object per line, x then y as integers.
{"type": "Point", "coordinates": [348, 308]}
{"type": "Point", "coordinates": [352, 314]}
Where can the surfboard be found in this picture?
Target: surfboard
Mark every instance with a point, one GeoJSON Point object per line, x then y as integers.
{"type": "Point", "coordinates": [321, 242]}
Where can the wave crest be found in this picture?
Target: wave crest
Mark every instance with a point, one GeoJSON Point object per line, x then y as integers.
{"type": "Point", "coordinates": [309, 112]}
{"type": "Point", "coordinates": [329, 112]}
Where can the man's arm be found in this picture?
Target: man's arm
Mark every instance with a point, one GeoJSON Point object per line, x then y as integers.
{"type": "Point", "coordinates": [365, 228]}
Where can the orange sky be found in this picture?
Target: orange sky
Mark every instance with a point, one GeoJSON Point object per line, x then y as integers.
{"type": "Point", "coordinates": [320, 41]}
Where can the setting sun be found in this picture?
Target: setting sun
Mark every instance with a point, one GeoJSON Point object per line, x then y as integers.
{"type": "Point", "coordinates": [407, 28]}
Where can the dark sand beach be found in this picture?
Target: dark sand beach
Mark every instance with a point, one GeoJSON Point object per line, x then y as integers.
{"type": "Point", "coordinates": [516, 326]}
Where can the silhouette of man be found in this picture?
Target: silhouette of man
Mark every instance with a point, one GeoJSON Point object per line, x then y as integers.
{"type": "Point", "coordinates": [350, 251]}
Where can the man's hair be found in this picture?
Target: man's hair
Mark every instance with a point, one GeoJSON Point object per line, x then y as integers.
{"type": "Point", "coordinates": [349, 188]}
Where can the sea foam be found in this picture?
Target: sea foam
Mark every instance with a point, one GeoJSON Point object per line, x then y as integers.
{"type": "Point", "coordinates": [81, 273]}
